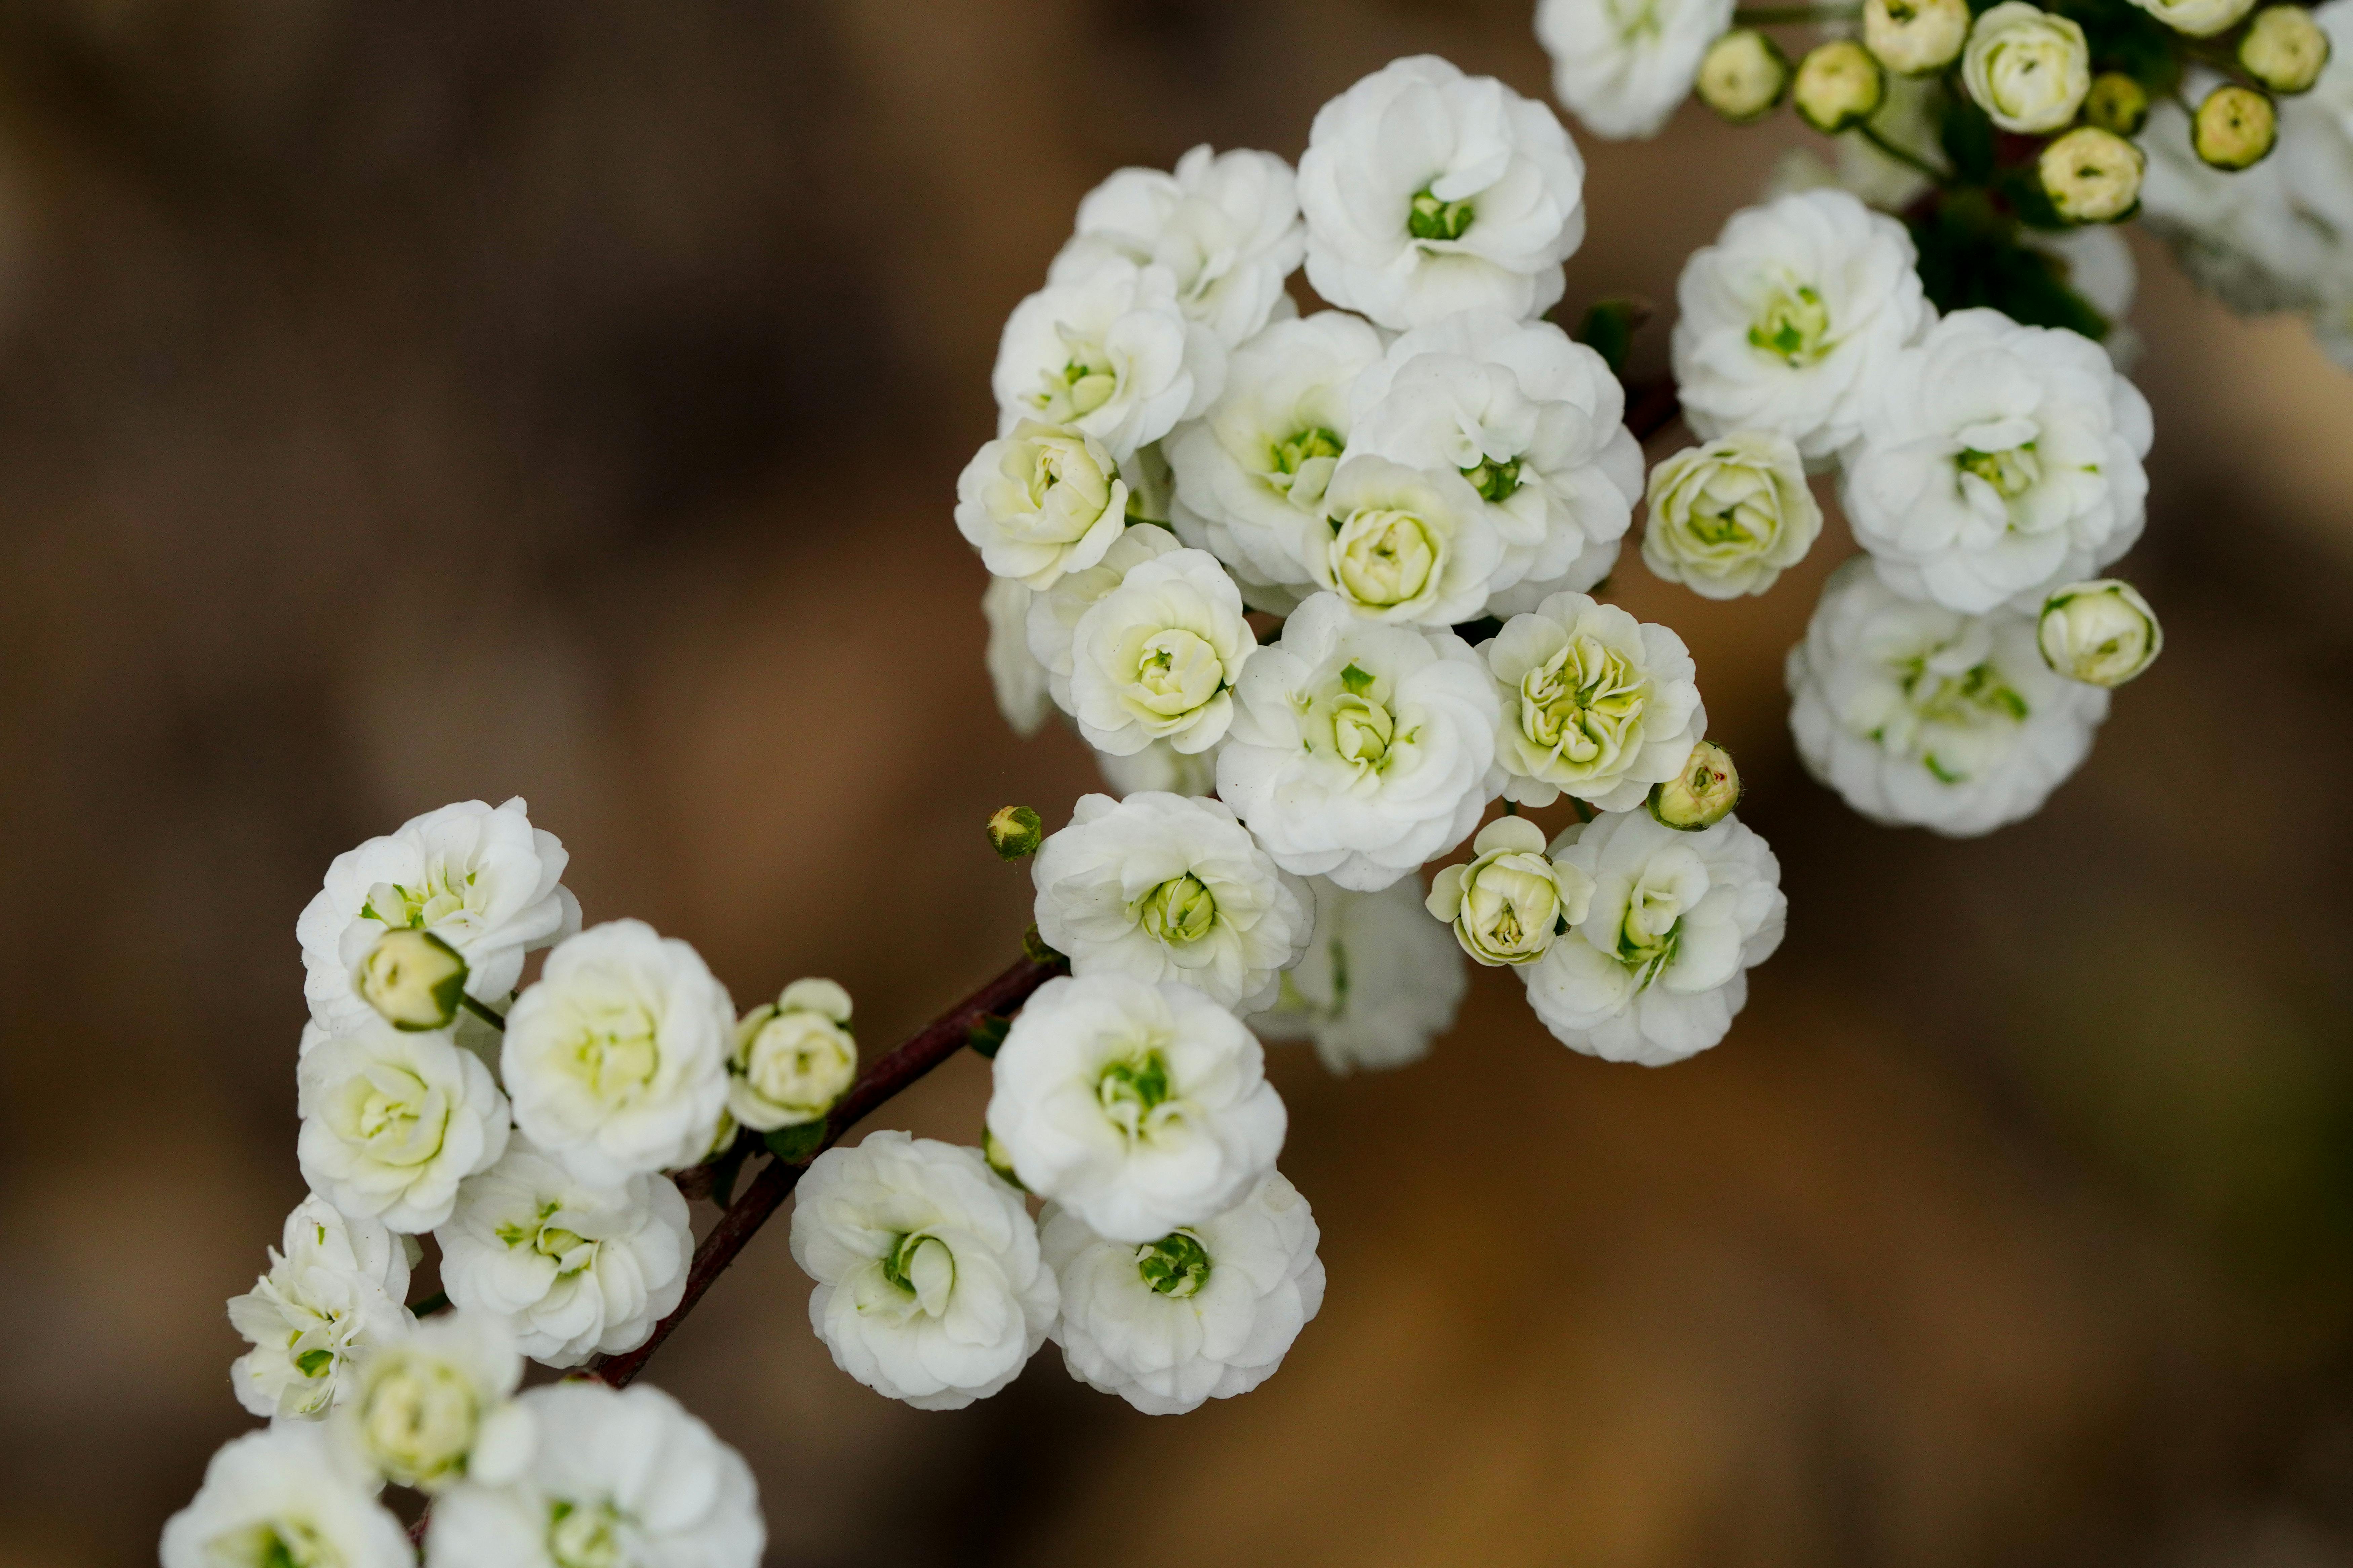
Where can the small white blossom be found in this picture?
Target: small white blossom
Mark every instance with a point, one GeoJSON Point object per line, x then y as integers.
{"type": "Point", "coordinates": [481, 878]}
{"type": "Point", "coordinates": [1156, 657]}
{"type": "Point", "coordinates": [1252, 471]}
{"type": "Point", "coordinates": [336, 1288]}
{"type": "Point", "coordinates": [620, 1478]}
{"type": "Point", "coordinates": [1593, 703]}
{"type": "Point", "coordinates": [1996, 462]}
{"type": "Point", "coordinates": [1359, 750]}
{"type": "Point", "coordinates": [1224, 226]}
{"type": "Point", "coordinates": [1141, 1107]}
{"type": "Point", "coordinates": [1533, 421]}
{"type": "Point", "coordinates": [1410, 545]}
{"type": "Point", "coordinates": [2027, 68]}
{"type": "Point", "coordinates": [578, 1269]}
{"type": "Point", "coordinates": [1428, 192]}
{"type": "Point", "coordinates": [2102, 633]}
{"type": "Point", "coordinates": [1015, 675]}
{"type": "Point", "coordinates": [285, 1496]}
{"type": "Point", "coordinates": [793, 1058]}
{"type": "Point", "coordinates": [1040, 502]}
{"type": "Point", "coordinates": [1205, 1313]}
{"type": "Point", "coordinates": [1508, 903]}
{"type": "Point", "coordinates": [929, 1285]}
{"type": "Point", "coordinates": [393, 1119]}
{"type": "Point", "coordinates": [1788, 318]}
{"type": "Point", "coordinates": [1659, 965]}
{"type": "Point", "coordinates": [1728, 518]}
{"type": "Point", "coordinates": [617, 1058]}
{"type": "Point", "coordinates": [1625, 66]}
{"type": "Point", "coordinates": [1166, 888]}
{"type": "Point", "coordinates": [1110, 356]}
{"type": "Point", "coordinates": [1926, 717]}
{"type": "Point", "coordinates": [1378, 982]}
{"type": "Point", "coordinates": [1055, 614]}
{"type": "Point", "coordinates": [435, 1405]}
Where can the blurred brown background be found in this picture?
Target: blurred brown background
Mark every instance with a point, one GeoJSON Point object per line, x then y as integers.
{"type": "Point", "coordinates": [410, 400]}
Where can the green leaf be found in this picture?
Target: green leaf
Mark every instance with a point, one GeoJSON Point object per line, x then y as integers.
{"type": "Point", "coordinates": [987, 1033]}
{"type": "Point", "coordinates": [797, 1145]}
{"type": "Point", "coordinates": [1970, 255]}
{"type": "Point", "coordinates": [1608, 328]}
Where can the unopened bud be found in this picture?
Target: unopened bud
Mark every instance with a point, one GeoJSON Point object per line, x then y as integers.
{"type": "Point", "coordinates": [2102, 633]}
{"type": "Point", "coordinates": [1702, 794]}
{"type": "Point", "coordinates": [2117, 103]}
{"type": "Point", "coordinates": [1915, 38]}
{"type": "Point", "coordinates": [1742, 75]}
{"type": "Point", "coordinates": [1839, 85]}
{"type": "Point", "coordinates": [998, 1159]}
{"type": "Point", "coordinates": [2236, 127]}
{"type": "Point", "coordinates": [1036, 949]}
{"type": "Point", "coordinates": [414, 978]}
{"type": "Point", "coordinates": [2092, 176]}
{"type": "Point", "coordinates": [1015, 832]}
{"type": "Point", "coordinates": [2284, 49]}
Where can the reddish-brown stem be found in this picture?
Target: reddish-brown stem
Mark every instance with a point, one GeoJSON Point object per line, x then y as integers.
{"type": "Point", "coordinates": [1650, 408]}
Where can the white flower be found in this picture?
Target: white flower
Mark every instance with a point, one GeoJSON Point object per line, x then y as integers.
{"type": "Point", "coordinates": [1224, 226]}
{"type": "Point", "coordinates": [929, 1287]}
{"type": "Point", "coordinates": [434, 1405]}
{"type": "Point", "coordinates": [1728, 518]}
{"type": "Point", "coordinates": [1250, 473]}
{"type": "Point", "coordinates": [1165, 888]}
{"type": "Point", "coordinates": [482, 879]}
{"type": "Point", "coordinates": [578, 1269]}
{"type": "Point", "coordinates": [1997, 461]}
{"type": "Point", "coordinates": [1428, 192]}
{"type": "Point", "coordinates": [1624, 66]}
{"type": "Point", "coordinates": [617, 1058]}
{"type": "Point", "coordinates": [2102, 633]}
{"type": "Point", "coordinates": [2199, 19]}
{"type": "Point", "coordinates": [621, 1478]}
{"type": "Point", "coordinates": [1359, 750]}
{"type": "Point", "coordinates": [1156, 657]}
{"type": "Point", "coordinates": [285, 1498]}
{"type": "Point", "coordinates": [1923, 716]}
{"type": "Point", "coordinates": [1055, 614]}
{"type": "Point", "coordinates": [2027, 68]}
{"type": "Point", "coordinates": [1140, 1107]}
{"type": "Point", "coordinates": [1160, 766]}
{"type": "Point", "coordinates": [1659, 965]}
{"type": "Point", "coordinates": [1043, 500]}
{"type": "Point", "coordinates": [1535, 424]}
{"type": "Point", "coordinates": [1110, 356]}
{"type": "Point", "coordinates": [336, 1289]}
{"type": "Point", "coordinates": [393, 1119]}
{"type": "Point", "coordinates": [1205, 1313]}
{"type": "Point", "coordinates": [1593, 703]}
{"type": "Point", "coordinates": [793, 1058]}
{"type": "Point", "coordinates": [1015, 675]}
{"type": "Point", "coordinates": [1411, 545]}
{"type": "Point", "coordinates": [1380, 980]}
{"type": "Point", "coordinates": [1788, 318]}
{"type": "Point", "coordinates": [1509, 902]}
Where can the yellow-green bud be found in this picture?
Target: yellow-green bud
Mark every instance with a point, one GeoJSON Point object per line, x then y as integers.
{"type": "Point", "coordinates": [1839, 85]}
{"type": "Point", "coordinates": [1915, 38]}
{"type": "Point", "coordinates": [1702, 795]}
{"type": "Point", "coordinates": [998, 1159]}
{"type": "Point", "coordinates": [2117, 103]}
{"type": "Point", "coordinates": [2092, 176]}
{"type": "Point", "coordinates": [1742, 75]}
{"type": "Point", "coordinates": [2284, 49]}
{"type": "Point", "coordinates": [2236, 127]}
{"type": "Point", "coordinates": [2102, 633]}
{"type": "Point", "coordinates": [1015, 832]}
{"type": "Point", "coordinates": [414, 978]}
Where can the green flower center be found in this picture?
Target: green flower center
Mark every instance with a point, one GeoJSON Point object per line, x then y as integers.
{"type": "Point", "coordinates": [1180, 911]}
{"type": "Point", "coordinates": [1432, 218]}
{"type": "Point", "coordinates": [1494, 480]}
{"type": "Point", "coordinates": [1290, 455]}
{"type": "Point", "coordinates": [273, 1543]}
{"type": "Point", "coordinates": [1131, 1091]}
{"type": "Point", "coordinates": [1583, 704]}
{"type": "Point", "coordinates": [2011, 473]}
{"type": "Point", "coordinates": [1086, 382]}
{"type": "Point", "coordinates": [585, 1537]}
{"type": "Point", "coordinates": [1175, 1265]}
{"type": "Point", "coordinates": [1793, 326]}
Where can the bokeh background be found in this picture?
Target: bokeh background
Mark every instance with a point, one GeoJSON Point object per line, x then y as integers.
{"type": "Point", "coordinates": [413, 400]}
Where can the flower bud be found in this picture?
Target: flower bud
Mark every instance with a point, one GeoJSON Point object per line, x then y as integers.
{"type": "Point", "coordinates": [2236, 127]}
{"type": "Point", "coordinates": [2028, 70]}
{"type": "Point", "coordinates": [999, 1161]}
{"type": "Point", "coordinates": [1508, 904]}
{"type": "Point", "coordinates": [2092, 176]}
{"type": "Point", "coordinates": [1915, 38]}
{"type": "Point", "coordinates": [2102, 633]}
{"type": "Point", "coordinates": [1702, 795]}
{"type": "Point", "coordinates": [2284, 49]}
{"type": "Point", "coordinates": [793, 1058]}
{"type": "Point", "coordinates": [1015, 833]}
{"type": "Point", "coordinates": [1839, 85]}
{"type": "Point", "coordinates": [1742, 75]}
{"type": "Point", "coordinates": [1045, 501]}
{"type": "Point", "coordinates": [2198, 18]}
{"type": "Point", "coordinates": [413, 978]}
{"type": "Point", "coordinates": [2117, 103]}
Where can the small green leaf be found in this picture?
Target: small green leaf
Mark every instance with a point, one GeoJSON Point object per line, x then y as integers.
{"type": "Point", "coordinates": [1609, 326]}
{"type": "Point", "coordinates": [797, 1145]}
{"type": "Point", "coordinates": [987, 1033]}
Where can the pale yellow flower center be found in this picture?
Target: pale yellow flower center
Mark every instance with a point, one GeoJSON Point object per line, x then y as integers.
{"type": "Point", "coordinates": [1583, 704]}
